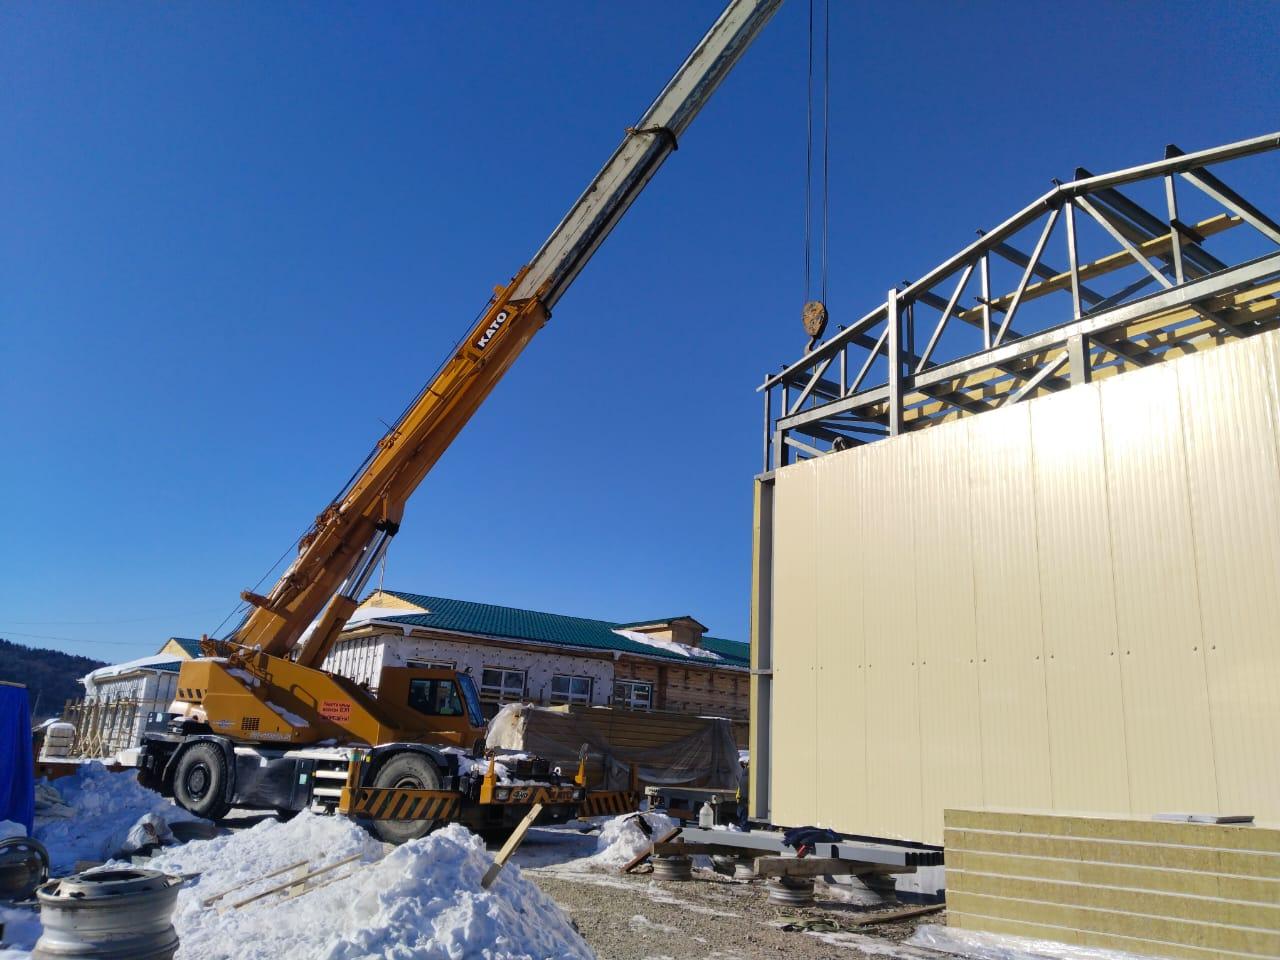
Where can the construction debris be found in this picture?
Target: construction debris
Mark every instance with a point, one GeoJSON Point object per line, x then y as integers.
{"type": "Point", "coordinates": [96, 815]}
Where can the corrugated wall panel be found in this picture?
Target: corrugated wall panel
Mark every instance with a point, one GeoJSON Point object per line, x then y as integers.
{"type": "Point", "coordinates": [841, 797]}
{"type": "Point", "coordinates": [1082, 668]}
{"type": "Point", "coordinates": [794, 753]}
{"type": "Point", "coordinates": [1015, 723]}
{"type": "Point", "coordinates": [950, 720]}
{"type": "Point", "coordinates": [889, 620]}
{"type": "Point", "coordinates": [1166, 698]}
{"type": "Point", "coordinates": [1128, 531]}
{"type": "Point", "coordinates": [1229, 407]}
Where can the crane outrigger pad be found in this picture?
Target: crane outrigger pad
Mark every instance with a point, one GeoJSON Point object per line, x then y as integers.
{"type": "Point", "coordinates": [394, 803]}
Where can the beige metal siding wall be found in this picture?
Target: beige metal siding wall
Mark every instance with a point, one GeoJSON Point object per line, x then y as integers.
{"type": "Point", "coordinates": [1068, 604]}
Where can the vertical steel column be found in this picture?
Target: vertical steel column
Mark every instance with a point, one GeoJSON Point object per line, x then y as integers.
{"type": "Point", "coordinates": [1072, 257]}
{"type": "Point", "coordinates": [768, 417]}
{"type": "Point", "coordinates": [1175, 236]}
{"type": "Point", "coordinates": [986, 301]}
{"type": "Point", "coordinates": [894, 351]}
{"type": "Point", "coordinates": [761, 687]}
{"type": "Point", "coordinates": [780, 455]}
{"type": "Point", "coordinates": [1078, 359]}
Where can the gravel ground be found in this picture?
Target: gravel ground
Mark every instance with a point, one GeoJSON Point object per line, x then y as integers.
{"type": "Point", "coordinates": [634, 917]}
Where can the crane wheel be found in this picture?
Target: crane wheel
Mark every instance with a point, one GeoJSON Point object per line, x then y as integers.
{"type": "Point", "coordinates": [406, 771]}
{"type": "Point", "coordinates": [200, 781]}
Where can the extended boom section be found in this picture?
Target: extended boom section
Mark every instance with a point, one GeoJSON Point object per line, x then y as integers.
{"type": "Point", "coordinates": [257, 722]}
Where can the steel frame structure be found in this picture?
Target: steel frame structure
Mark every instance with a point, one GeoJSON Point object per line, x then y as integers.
{"type": "Point", "coordinates": [937, 350]}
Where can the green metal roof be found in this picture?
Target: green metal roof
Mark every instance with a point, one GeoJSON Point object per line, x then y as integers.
{"type": "Point", "coordinates": [486, 619]}
{"type": "Point", "coordinates": [189, 646]}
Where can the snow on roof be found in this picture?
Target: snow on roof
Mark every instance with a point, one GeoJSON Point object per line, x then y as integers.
{"type": "Point", "coordinates": [671, 646]}
{"type": "Point", "coordinates": [165, 662]}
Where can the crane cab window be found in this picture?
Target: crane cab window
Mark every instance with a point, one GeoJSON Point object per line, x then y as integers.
{"type": "Point", "coordinates": [436, 698]}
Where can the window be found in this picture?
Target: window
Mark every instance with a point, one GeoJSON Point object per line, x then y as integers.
{"type": "Point", "coordinates": [431, 664]}
{"type": "Point", "coordinates": [566, 689]}
{"type": "Point", "coordinates": [633, 695]}
{"type": "Point", "coordinates": [436, 698]}
{"type": "Point", "coordinates": [501, 686]}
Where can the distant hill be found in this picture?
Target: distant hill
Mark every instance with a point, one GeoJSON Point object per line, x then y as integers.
{"type": "Point", "coordinates": [49, 675]}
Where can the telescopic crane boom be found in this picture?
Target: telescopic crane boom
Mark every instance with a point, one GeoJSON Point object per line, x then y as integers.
{"type": "Point", "coordinates": [257, 722]}
{"type": "Point", "coordinates": [341, 550]}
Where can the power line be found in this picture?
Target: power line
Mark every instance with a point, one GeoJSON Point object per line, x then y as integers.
{"type": "Point", "coordinates": [97, 623]}
{"type": "Point", "coordinates": [43, 636]}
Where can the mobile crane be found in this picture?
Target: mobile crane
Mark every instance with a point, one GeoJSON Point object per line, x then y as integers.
{"type": "Point", "coordinates": [257, 722]}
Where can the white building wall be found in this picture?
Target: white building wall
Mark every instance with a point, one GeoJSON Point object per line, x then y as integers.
{"type": "Point", "coordinates": [360, 659]}
{"type": "Point", "coordinates": [364, 658]}
{"type": "Point", "coordinates": [152, 686]}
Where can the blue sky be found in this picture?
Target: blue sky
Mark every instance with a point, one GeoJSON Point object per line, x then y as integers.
{"type": "Point", "coordinates": [235, 236]}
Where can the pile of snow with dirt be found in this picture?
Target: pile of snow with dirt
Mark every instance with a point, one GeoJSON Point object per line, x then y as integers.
{"type": "Point", "coordinates": [622, 839]}
{"type": "Point", "coordinates": [97, 814]}
{"type": "Point", "coordinates": [420, 901]}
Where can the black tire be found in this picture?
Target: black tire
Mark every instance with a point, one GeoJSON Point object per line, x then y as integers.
{"type": "Point", "coordinates": [200, 781]}
{"type": "Point", "coordinates": [406, 771]}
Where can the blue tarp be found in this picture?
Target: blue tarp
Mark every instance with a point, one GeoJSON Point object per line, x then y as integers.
{"type": "Point", "coordinates": [17, 776]}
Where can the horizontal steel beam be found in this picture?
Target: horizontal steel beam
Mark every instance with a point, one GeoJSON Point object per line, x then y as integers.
{"type": "Point", "coordinates": [866, 852]}
{"type": "Point", "coordinates": [1187, 295]}
{"type": "Point", "coordinates": [1053, 199]}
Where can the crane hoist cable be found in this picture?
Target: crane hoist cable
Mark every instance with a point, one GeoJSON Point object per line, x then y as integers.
{"type": "Point", "coordinates": [815, 311]}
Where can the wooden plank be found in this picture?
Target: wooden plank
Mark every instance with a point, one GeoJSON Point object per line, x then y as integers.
{"type": "Point", "coordinates": [508, 848]}
{"type": "Point", "coordinates": [210, 901]}
{"type": "Point", "coordinates": [894, 915]}
{"type": "Point", "coordinates": [294, 882]}
{"type": "Point", "coordinates": [642, 857]}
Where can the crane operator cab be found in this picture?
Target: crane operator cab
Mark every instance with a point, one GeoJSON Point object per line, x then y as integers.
{"type": "Point", "coordinates": [442, 701]}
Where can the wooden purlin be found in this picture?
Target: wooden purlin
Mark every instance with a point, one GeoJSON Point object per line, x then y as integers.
{"type": "Point", "coordinates": [1156, 246]}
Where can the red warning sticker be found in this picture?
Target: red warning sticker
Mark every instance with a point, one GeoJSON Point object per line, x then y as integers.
{"type": "Point", "coordinates": [336, 710]}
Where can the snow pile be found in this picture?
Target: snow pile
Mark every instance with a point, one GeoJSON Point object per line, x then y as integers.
{"type": "Point", "coordinates": [102, 814]}
{"type": "Point", "coordinates": [621, 840]}
{"type": "Point", "coordinates": [420, 902]}
{"type": "Point", "coordinates": [669, 645]}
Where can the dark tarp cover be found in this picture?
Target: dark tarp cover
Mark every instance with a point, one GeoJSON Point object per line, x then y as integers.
{"type": "Point", "coordinates": [17, 777]}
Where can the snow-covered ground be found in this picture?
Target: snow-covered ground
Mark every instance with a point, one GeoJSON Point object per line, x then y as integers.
{"type": "Point", "coordinates": [420, 900]}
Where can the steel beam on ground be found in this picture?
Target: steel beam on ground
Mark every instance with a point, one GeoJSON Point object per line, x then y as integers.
{"type": "Point", "coordinates": [886, 854]}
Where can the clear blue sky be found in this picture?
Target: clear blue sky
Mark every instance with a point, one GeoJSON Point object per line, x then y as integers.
{"type": "Point", "coordinates": [234, 236]}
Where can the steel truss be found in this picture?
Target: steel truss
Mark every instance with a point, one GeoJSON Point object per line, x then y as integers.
{"type": "Point", "coordinates": [945, 347]}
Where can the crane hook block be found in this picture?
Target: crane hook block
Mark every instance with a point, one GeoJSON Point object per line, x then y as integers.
{"type": "Point", "coordinates": [815, 319]}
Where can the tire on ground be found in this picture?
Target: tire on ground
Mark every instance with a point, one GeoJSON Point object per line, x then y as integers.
{"type": "Point", "coordinates": [200, 780]}
{"type": "Point", "coordinates": [406, 771]}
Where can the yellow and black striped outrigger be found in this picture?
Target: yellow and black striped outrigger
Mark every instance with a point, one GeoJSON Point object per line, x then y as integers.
{"type": "Point", "coordinates": [394, 803]}
{"type": "Point", "coordinates": [405, 803]}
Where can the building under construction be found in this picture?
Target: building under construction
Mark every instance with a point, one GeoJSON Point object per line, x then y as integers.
{"type": "Point", "coordinates": [1017, 555]}
{"type": "Point", "coordinates": [1018, 530]}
